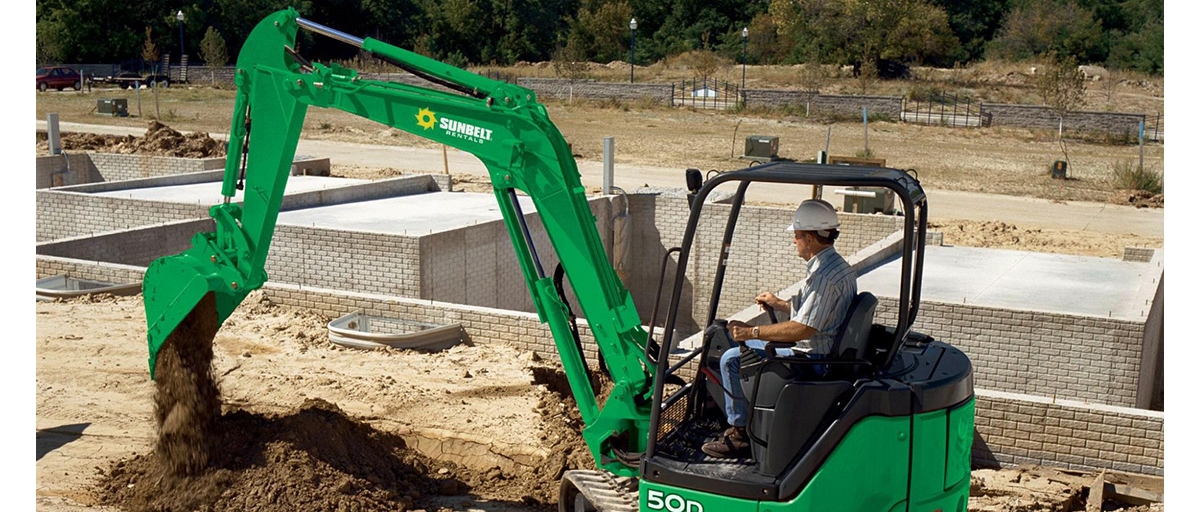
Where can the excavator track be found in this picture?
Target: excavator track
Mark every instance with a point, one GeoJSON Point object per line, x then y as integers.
{"type": "Point", "coordinates": [602, 491]}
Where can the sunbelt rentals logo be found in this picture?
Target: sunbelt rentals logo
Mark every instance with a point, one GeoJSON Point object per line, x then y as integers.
{"type": "Point", "coordinates": [428, 120]}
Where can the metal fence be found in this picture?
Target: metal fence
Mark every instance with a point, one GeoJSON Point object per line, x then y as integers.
{"type": "Point", "coordinates": [942, 109]}
{"type": "Point", "coordinates": [708, 93]}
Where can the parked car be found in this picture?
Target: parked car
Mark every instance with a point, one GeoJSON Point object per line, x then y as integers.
{"type": "Point", "coordinates": [58, 78]}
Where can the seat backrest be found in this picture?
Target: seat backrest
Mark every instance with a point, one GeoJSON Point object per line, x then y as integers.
{"type": "Point", "coordinates": [852, 337]}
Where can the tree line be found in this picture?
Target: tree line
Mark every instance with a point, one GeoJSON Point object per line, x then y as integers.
{"type": "Point", "coordinates": [880, 35]}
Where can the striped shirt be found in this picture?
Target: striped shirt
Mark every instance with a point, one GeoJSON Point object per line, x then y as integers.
{"type": "Point", "coordinates": [825, 298]}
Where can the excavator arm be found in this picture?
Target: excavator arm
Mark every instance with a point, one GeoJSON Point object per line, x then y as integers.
{"type": "Point", "coordinates": [501, 124]}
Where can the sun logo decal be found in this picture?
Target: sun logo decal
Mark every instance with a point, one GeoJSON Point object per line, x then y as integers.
{"type": "Point", "coordinates": [426, 119]}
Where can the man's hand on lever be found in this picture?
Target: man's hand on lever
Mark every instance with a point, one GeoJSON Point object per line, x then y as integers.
{"type": "Point", "coordinates": [768, 299]}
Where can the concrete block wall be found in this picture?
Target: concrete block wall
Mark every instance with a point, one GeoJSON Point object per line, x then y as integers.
{"type": "Point", "coordinates": [117, 166]}
{"type": "Point", "coordinates": [346, 260]}
{"type": "Point", "coordinates": [1091, 359]}
{"type": "Point", "coordinates": [64, 170]}
{"type": "Point", "coordinates": [114, 273]}
{"type": "Point", "coordinates": [78, 211]}
{"type": "Point", "coordinates": [1034, 116]}
{"type": "Point", "coordinates": [1138, 254]}
{"type": "Point", "coordinates": [477, 265]}
{"type": "Point", "coordinates": [139, 246]}
{"type": "Point", "coordinates": [1014, 429]}
{"type": "Point", "coordinates": [562, 89]}
{"type": "Point", "coordinates": [205, 75]}
{"type": "Point", "coordinates": [64, 214]}
{"type": "Point", "coordinates": [842, 105]}
{"type": "Point", "coordinates": [762, 256]}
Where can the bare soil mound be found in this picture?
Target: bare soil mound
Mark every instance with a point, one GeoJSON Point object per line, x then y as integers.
{"type": "Point", "coordinates": [1138, 198]}
{"type": "Point", "coordinates": [312, 458]}
{"type": "Point", "coordinates": [315, 456]}
{"type": "Point", "coordinates": [159, 140]}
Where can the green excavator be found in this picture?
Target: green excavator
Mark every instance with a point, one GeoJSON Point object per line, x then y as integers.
{"type": "Point", "coordinates": [890, 430]}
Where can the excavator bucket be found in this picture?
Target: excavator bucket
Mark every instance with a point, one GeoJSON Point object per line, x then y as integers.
{"type": "Point", "coordinates": [174, 285]}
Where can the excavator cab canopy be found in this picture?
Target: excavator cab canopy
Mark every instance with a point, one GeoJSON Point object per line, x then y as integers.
{"type": "Point", "coordinates": [800, 426]}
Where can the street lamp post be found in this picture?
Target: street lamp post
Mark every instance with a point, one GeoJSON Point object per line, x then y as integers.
{"type": "Point", "coordinates": [179, 18]}
{"type": "Point", "coordinates": [745, 34]}
{"type": "Point", "coordinates": [632, 40]}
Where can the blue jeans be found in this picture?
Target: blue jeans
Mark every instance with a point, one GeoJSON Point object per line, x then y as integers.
{"type": "Point", "coordinates": [736, 406]}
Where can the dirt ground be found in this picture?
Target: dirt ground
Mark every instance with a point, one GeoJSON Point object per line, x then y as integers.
{"type": "Point", "coordinates": [307, 424]}
{"type": "Point", "coordinates": [310, 425]}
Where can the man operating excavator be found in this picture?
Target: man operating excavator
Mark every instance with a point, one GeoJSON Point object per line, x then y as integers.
{"type": "Point", "coordinates": [816, 312]}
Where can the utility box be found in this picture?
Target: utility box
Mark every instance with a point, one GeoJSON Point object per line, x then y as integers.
{"type": "Point", "coordinates": [1059, 169]}
{"type": "Point", "coordinates": [113, 107]}
{"type": "Point", "coordinates": [763, 148]}
{"type": "Point", "coordinates": [868, 200]}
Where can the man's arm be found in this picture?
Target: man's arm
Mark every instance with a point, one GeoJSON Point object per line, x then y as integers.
{"type": "Point", "coordinates": [774, 302]}
{"type": "Point", "coordinates": [786, 332]}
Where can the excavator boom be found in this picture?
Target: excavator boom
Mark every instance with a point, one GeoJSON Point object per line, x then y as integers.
{"type": "Point", "coordinates": [502, 124]}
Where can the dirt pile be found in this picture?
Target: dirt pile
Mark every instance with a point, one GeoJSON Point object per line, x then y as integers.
{"type": "Point", "coordinates": [315, 456]}
{"type": "Point", "coordinates": [1138, 198]}
{"type": "Point", "coordinates": [311, 458]}
{"type": "Point", "coordinates": [159, 140]}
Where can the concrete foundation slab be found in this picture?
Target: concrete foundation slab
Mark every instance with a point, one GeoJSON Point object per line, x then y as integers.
{"type": "Point", "coordinates": [418, 214]}
{"type": "Point", "coordinates": [1053, 283]}
{"type": "Point", "coordinates": [210, 192]}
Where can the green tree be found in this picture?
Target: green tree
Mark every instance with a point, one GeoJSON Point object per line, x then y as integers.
{"type": "Point", "coordinates": [602, 29]}
{"type": "Point", "coordinates": [868, 31]}
{"type": "Point", "coordinates": [1063, 88]}
{"type": "Point", "coordinates": [212, 48]}
{"type": "Point", "coordinates": [1060, 26]}
{"type": "Point", "coordinates": [974, 23]}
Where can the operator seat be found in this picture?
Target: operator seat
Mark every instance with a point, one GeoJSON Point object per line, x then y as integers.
{"type": "Point", "coordinates": [789, 402]}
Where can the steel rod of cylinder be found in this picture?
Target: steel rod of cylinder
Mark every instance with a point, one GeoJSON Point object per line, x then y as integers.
{"type": "Point", "coordinates": [329, 32]}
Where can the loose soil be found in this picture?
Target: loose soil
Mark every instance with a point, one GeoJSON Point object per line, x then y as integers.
{"type": "Point", "coordinates": [159, 140]}
{"type": "Point", "coordinates": [303, 421]}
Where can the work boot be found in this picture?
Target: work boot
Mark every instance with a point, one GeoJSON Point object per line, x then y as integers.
{"type": "Point", "coordinates": [733, 444]}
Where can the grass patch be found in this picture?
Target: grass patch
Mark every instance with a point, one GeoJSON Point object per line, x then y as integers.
{"type": "Point", "coordinates": [1128, 176]}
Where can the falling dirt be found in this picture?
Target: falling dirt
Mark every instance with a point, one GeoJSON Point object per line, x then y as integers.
{"type": "Point", "coordinates": [159, 140]}
{"type": "Point", "coordinates": [186, 399]}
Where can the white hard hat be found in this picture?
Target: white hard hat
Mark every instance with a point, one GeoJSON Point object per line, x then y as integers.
{"type": "Point", "coordinates": [814, 215]}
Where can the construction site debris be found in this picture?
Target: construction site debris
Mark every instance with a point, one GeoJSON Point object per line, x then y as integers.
{"type": "Point", "coordinates": [159, 140]}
